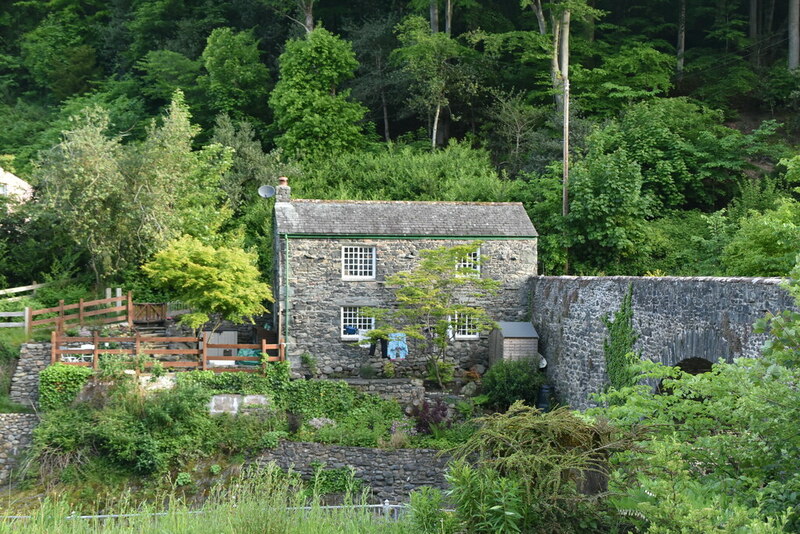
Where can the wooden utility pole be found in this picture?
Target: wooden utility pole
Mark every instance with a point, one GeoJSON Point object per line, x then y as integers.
{"type": "Point", "coordinates": [563, 55]}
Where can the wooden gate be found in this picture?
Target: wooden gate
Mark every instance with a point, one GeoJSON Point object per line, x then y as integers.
{"type": "Point", "coordinates": [149, 312]}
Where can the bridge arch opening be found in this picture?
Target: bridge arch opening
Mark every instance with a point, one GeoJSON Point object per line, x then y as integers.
{"type": "Point", "coordinates": [694, 366]}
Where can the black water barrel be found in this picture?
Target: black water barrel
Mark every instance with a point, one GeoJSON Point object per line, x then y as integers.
{"type": "Point", "coordinates": [543, 399]}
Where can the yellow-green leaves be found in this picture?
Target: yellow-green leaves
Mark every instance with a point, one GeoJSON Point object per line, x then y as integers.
{"type": "Point", "coordinates": [223, 281]}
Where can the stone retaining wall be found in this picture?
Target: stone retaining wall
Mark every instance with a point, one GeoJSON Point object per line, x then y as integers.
{"type": "Point", "coordinates": [676, 318]}
{"type": "Point", "coordinates": [409, 392]}
{"type": "Point", "coordinates": [33, 358]}
{"type": "Point", "coordinates": [16, 432]}
{"type": "Point", "coordinates": [390, 473]}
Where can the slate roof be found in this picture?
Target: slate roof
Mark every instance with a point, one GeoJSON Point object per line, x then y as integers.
{"type": "Point", "coordinates": [517, 329]}
{"type": "Point", "coordinates": [403, 218]}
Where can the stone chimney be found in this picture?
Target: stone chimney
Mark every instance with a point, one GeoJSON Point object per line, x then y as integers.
{"type": "Point", "coordinates": [283, 193]}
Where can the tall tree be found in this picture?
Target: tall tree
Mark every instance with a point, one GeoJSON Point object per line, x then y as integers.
{"type": "Point", "coordinates": [237, 80]}
{"type": "Point", "coordinates": [432, 62]}
{"type": "Point", "coordinates": [315, 118]}
{"type": "Point", "coordinates": [121, 203]}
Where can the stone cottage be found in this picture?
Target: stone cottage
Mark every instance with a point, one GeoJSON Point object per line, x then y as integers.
{"type": "Point", "coordinates": [332, 258]}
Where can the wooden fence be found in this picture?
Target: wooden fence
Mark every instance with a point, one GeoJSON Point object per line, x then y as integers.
{"type": "Point", "coordinates": [63, 316]}
{"type": "Point", "coordinates": [91, 348]}
{"type": "Point", "coordinates": [16, 290]}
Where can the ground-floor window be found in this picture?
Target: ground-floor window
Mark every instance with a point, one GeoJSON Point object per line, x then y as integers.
{"type": "Point", "coordinates": [353, 321]}
{"type": "Point", "coordinates": [464, 326]}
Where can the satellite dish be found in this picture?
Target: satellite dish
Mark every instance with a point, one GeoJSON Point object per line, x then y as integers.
{"type": "Point", "coordinates": [266, 191]}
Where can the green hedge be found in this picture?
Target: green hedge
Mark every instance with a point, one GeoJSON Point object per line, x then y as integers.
{"type": "Point", "coordinates": [59, 384]}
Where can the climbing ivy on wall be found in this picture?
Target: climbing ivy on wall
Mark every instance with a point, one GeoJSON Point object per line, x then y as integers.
{"type": "Point", "coordinates": [618, 345]}
{"type": "Point", "coordinates": [59, 384]}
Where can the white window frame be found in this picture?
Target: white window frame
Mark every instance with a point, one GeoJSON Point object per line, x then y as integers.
{"type": "Point", "coordinates": [4, 189]}
{"type": "Point", "coordinates": [461, 332]}
{"type": "Point", "coordinates": [351, 316]}
{"type": "Point", "coordinates": [363, 258]}
{"type": "Point", "coordinates": [472, 262]}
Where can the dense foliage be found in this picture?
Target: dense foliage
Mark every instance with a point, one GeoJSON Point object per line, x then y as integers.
{"type": "Point", "coordinates": [59, 384]}
{"type": "Point", "coordinates": [120, 429]}
{"type": "Point", "coordinates": [508, 381]}
{"type": "Point", "coordinates": [668, 144]}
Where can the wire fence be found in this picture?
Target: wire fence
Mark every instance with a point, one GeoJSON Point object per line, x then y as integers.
{"type": "Point", "coordinates": [391, 512]}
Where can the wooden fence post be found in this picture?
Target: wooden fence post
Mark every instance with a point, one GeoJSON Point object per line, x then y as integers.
{"type": "Point", "coordinates": [204, 354]}
{"type": "Point", "coordinates": [263, 349]}
{"type": "Point", "coordinates": [28, 319]}
{"type": "Point", "coordinates": [80, 312]}
{"type": "Point", "coordinates": [96, 351]}
{"type": "Point", "coordinates": [130, 309]}
{"type": "Point", "coordinates": [53, 346]}
{"type": "Point", "coordinates": [60, 314]}
{"type": "Point", "coordinates": [282, 351]}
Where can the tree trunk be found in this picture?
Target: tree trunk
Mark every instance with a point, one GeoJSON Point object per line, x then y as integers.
{"type": "Point", "coordinates": [536, 7]}
{"type": "Point", "coordinates": [435, 126]}
{"type": "Point", "coordinates": [308, 11]}
{"type": "Point", "coordinates": [434, 7]}
{"type": "Point", "coordinates": [385, 117]}
{"type": "Point", "coordinates": [448, 17]}
{"type": "Point", "coordinates": [564, 54]}
{"type": "Point", "coordinates": [755, 55]}
{"type": "Point", "coordinates": [769, 18]}
{"type": "Point", "coordinates": [681, 40]}
{"type": "Point", "coordinates": [794, 34]}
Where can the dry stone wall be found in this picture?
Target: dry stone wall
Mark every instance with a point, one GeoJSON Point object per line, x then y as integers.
{"type": "Point", "coordinates": [676, 318]}
{"type": "Point", "coordinates": [390, 473]}
{"type": "Point", "coordinates": [16, 433]}
{"type": "Point", "coordinates": [33, 358]}
{"type": "Point", "coordinates": [409, 392]}
{"type": "Point", "coordinates": [316, 294]}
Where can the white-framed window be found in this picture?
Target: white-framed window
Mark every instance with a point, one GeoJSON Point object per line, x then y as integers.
{"type": "Point", "coordinates": [472, 262]}
{"type": "Point", "coordinates": [358, 263]}
{"type": "Point", "coordinates": [3, 189]}
{"type": "Point", "coordinates": [463, 326]}
{"type": "Point", "coordinates": [353, 321]}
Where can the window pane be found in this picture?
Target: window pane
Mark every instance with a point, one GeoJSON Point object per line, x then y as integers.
{"type": "Point", "coordinates": [353, 321]}
{"type": "Point", "coordinates": [358, 262]}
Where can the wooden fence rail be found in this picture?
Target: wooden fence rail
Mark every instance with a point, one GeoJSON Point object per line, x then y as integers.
{"type": "Point", "coordinates": [90, 348]}
{"type": "Point", "coordinates": [15, 290]}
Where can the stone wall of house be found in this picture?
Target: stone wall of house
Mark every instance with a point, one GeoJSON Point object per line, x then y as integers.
{"type": "Point", "coordinates": [676, 319]}
{"type": "Point", "coordinates": [33, 358]}
{"type": "Point", "coordinates": [316, 294]}
{"type": "Point", "coordinates": [16, 432]}
{"type": "Point", "coordinates": [409, 392]}
{"type": "Point", "coordinates": [390, 473]}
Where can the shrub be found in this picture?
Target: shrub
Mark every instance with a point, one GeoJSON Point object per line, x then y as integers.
{"type": "Point", "coordinates": [507, 382]}
{"type": "Point", "coordinates": [59, 384]}
{"type": "Point", "coordinates": [485, 500]}
{"type": "Point", "coordinates": [429, 414]}
{"type": "Point", "coordinates": [427, 512]}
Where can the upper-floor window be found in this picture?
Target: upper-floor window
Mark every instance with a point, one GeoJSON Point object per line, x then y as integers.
{"type": "Point", "coordinates": [3, 189]}
{"type": "Point", "coordinates": [353, 321]}
{"type": "Point", "coordinates": [358, 263]}
{"type": "Point", "coordinates": [464, 326]}
{"type": "Point", "coordinates": [470, 264]}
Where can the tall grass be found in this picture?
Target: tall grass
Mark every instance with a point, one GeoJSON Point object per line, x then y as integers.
{"type": "Point", "coordinates": [260, 502]}
{"type": "Point", "coordinates": [10, 341]}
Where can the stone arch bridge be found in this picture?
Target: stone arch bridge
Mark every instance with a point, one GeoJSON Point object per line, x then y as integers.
{"type": "Point", "coordinates": [677, 319]}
